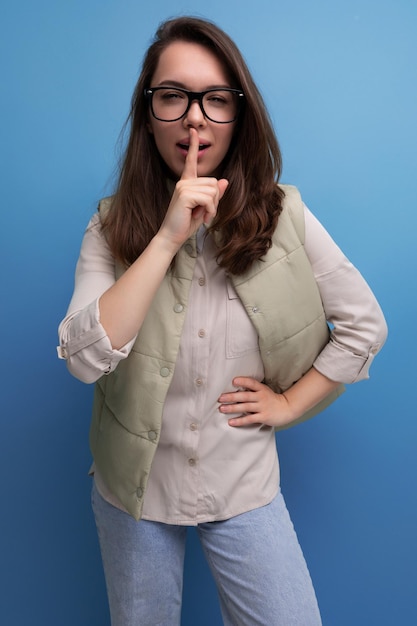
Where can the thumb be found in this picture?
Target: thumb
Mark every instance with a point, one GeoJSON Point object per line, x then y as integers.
{"type": "Point", "coordinates": [222, 184]}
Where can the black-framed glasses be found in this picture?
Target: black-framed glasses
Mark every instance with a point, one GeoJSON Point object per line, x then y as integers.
{"type": "Point", "coordinates": [170, 104]}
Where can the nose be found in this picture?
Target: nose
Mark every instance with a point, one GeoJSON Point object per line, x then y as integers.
{"type": "Point", "coordinates": [194, 116]}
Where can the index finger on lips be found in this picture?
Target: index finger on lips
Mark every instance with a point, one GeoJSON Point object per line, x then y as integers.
{"type": "Point", "coordinates": [191, 160]}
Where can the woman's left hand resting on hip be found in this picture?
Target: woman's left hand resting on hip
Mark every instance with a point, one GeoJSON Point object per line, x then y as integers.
{"type": "Point", "coordinates": [258, 404]}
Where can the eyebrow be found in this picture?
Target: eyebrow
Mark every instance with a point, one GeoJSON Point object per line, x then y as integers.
{"type": "Point", "coordinates": [176, 83]}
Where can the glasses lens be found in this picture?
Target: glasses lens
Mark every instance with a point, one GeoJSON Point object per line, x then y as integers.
{"type": "Point", "coordinates": [220, 105]}
{"type": "Point", "coordinates": [171, 104]}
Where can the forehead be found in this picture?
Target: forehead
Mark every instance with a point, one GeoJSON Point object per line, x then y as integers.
{"type": "Point", "coordinates": [191, 65]}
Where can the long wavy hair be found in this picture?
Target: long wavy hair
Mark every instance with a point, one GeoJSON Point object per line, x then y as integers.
{"type": "Point", "coordinates": [249, 210]}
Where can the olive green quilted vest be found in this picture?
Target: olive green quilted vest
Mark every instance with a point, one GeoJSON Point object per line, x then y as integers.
{"type": "Point", "coordinates": [282, 300]}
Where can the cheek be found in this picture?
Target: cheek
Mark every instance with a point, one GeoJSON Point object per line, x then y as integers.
{"type": "Point", "coordinates": [166, 150]}
{"type": "Point", "coordinates": [228, 134]}
{"type": "Point", "coordinates": [226, 140]}
{"type": "Point", "coordinates": [160, 138]}
{"type": "Point", "coordinates": [162, 135]}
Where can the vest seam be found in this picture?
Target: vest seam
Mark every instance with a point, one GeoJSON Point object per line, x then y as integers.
{"type": "Point", "coordinates": [241, 280]}
{"type": "Point", "coordinates": [309, 324]}
{"type": "Point", "coordinates": [145, 438]}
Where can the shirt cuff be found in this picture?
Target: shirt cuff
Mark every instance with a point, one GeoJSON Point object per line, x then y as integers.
{"type": "Point", "coordinates": [340, 365]}
{"type": "Point", "coordinates": [86, 347]}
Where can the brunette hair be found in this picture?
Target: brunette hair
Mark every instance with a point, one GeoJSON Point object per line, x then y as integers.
{"type": "Point", "coordinates": [248, 212]}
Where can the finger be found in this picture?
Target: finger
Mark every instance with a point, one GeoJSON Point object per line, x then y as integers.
{"type": "Point", "coordinates": [239, 407]}
{"type": "Point", "coordinates": [222, 184]}
{"type": "Point", "coordinates": [244, 420]}
{"type": "Point", "coordinates": [233, 397]}
{"type": "Point", "coordinates": [247, 382]}
{"type": "Point", "coordinates": [191, 160]}
{"type": "Point", "coordinates": [245, 386]}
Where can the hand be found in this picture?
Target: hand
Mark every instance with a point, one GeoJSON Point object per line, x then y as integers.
{"type": "Point", "coordinates": [194, 201]}
{"type": "Point", "coordinates": [257, 403]}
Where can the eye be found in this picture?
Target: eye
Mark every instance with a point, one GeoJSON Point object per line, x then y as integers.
{"type": "Point", "coordinates": [218, 99]}
{"type": "Point", "coordinates": [170, 95]}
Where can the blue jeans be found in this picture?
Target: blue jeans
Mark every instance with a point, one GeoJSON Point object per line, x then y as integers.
{"type": "Point", "coordinates": [255, 558]}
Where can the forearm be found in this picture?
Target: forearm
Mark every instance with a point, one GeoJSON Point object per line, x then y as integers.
{"type": "Point", "coordinates": [124, 305]}
{"type": "Point", "coordinates": [311, 389]}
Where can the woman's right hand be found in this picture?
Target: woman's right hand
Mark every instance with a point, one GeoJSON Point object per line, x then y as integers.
{"type": "Point", "coordinates": [194, 201]}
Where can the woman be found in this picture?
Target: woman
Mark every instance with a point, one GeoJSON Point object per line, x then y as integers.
{"type": "Point", "coordinates": [201, 306]}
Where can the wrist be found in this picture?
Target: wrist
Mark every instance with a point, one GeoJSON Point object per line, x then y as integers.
{"type": "Point", "coordinates": [288, 411]}
{"type": "Point", "coordinates": [166, 246]}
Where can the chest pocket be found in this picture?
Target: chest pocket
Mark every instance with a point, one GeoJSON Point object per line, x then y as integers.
{"type": "Point", "coordinates": [241, 336]}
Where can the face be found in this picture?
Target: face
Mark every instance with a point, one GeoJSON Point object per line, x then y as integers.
{"type": "Point", "coordinates": [193, 67]}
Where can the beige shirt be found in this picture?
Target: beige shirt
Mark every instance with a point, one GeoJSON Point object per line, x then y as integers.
{"type": "Point", "coordinates": [203, 469]}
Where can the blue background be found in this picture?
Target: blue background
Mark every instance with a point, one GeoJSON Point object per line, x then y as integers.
{"type": "Point", "coordinates": [339, 79]}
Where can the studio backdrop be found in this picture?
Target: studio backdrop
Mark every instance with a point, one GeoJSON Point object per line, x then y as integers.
{"type": "Point", "coordinates": [339, 79]}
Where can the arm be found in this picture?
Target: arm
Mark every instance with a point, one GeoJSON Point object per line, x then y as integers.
{"type": "Point", "coordinates": [124, 306]}
{"type": "Point", "coordinates": [94, 332]}
{"type": "Point", "coordinates": [358, 325]}
{"type": "Point", "coordinates": [359, 331]}
{"type": "Point", "coordinates": [264, 406]}
{"type": "Point", "coordinates": [83, 342]}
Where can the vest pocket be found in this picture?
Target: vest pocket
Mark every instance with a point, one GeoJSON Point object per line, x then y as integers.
{"type": "Point", "coordinates": [241, 335]}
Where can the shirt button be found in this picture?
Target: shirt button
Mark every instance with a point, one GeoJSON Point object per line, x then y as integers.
{"type": "Point", "coordinates": [193, 426]}
{"type": "Point", "coordinates": [178, 308]}
{"type": "Point", "coordinates": [255, 309]}
{"type": "Point", "coordinates": [198, 382]}
{"type": "Point", "coordinates": [189, 249]}
{"type": "Point", "coordinates": [139, 492]}
{"type": "Point", "coordinates": [152, 435]}
{"type": "Point", "coordinates": [201, 333]}
{"type": "Point", "coordinates": [202, 281]}
{"type": "Point", "coordinates": [164, 371]}
{"type": "Point", "coordinates": [192, 462]}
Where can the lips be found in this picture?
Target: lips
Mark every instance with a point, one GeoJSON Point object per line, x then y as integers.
{"type": "Point", "coordinates": [184, 145]}
{"type": "Point", "coordinates": [202, 146]}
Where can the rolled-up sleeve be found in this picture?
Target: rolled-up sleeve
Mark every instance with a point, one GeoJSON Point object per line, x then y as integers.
{"type": "Point", "coordinates": [358, 327]}
{"type": "Point", "coordinates": [83, 342]}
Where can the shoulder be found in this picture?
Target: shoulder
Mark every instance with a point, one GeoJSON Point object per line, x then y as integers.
{"type": "Point", "coordinates": [291, 193]}
{"type": "Point", "coordinates": [293, 209]}
{"type": "Point", "coordinates": [104, 206]}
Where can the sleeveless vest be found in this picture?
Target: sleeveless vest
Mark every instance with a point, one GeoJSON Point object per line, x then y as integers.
{"type": "Point", "coordinates": [283, 302]}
